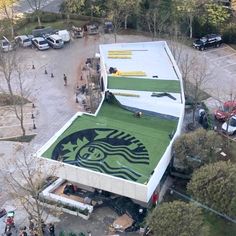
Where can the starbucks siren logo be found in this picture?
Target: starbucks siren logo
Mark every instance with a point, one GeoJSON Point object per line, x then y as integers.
{"type": "Point", "coordinates": [104, 150]}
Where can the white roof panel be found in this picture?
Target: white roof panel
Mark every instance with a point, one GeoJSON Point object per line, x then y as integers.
{"type": "Point", "coordinates": [149, 57]}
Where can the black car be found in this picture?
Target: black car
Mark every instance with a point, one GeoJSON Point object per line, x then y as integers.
{"type": "Point", "coordinates": [210, 40]}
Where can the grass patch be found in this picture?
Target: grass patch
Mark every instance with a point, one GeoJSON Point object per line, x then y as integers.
{"type": "Point", "coordinates": [218, 226]}
{"type": "Point", "coordinates": [6, 100]}
{"type": "Point", "coordinates": [60, 24]}
{"type": "Point", "coordinates": [139, 84]}
{"type": "Point", "coordinates": [21, 139]}
{"type": "Point", "coordinates": [150, 132]}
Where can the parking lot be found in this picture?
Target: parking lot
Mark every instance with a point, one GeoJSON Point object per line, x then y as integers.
{"type": "Point", "coordinates": [222, 67]}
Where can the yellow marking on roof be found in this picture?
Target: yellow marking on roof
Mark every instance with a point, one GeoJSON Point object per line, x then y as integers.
{"type": "Point", "coordinates": [119, 56]}
{"type": "Point", "coordinates": [120, 52]}
{"type": "Point", "coordinates": [129, 73]}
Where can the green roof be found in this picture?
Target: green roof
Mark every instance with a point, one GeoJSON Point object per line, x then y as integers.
{"type": "Point", "coordinates": [141, 84]}
{"type": "Point", "coordinates": [114, 142]}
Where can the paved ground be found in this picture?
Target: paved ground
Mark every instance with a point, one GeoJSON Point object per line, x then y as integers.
{"type": "Point", "coordinates": [22, 6]}
{"type": "Point", "coordinates": [10, 125]}
{"type": "Point", "coordinates": [222, 67]}
{"type": "Point", "coordinates": [56, 103]}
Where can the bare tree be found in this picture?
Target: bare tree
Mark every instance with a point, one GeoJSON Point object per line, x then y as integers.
{"type": "Point", "coordinates": [131, 8]}
{"type": "Point", "coordinates": [116, 13]}
{"type": "Point", "coordinates": [198, 83]}
{"type": "Point", "coordinates": [24, 178]}
{"type": "Point", "coordinates": [154, 18]}
{"type": "Point", "coordinates": [176, 45]}
{"type": "Point", "coordinates": [36, 6]}
{"type": "Point", "coordinates": [7, 10]}
{"type": "Point", "coordinates": [12, 74]}
{"type": "Point", "coordinates": [186, 65]}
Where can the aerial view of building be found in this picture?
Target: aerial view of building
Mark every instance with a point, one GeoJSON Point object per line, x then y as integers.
{"type": "Point", "coordinates": [125, 147]}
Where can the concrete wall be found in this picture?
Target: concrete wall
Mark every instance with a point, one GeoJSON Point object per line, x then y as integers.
{"type": "Point", "coordinates": [100, 181]}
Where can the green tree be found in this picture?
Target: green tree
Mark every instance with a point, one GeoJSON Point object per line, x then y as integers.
{"type": "Point", "coordinates": [96, 8]}
{"type": "Point", "coordinates": [215, 14]}
{"type": "Point", "coordinates": [197, 148]}
{"type": "Point", "coordinates": [154, 16]}
{"type": "Point", "coordinates": [215, 185]}
{"type": "Point", "coordinates": [188, 9]}
{"type": "Point", "coordinates": [131, 8]}
{"type": "Point", "coordinates": [177, 218]}
{"type": "Point", "coordinates": [72, 7]}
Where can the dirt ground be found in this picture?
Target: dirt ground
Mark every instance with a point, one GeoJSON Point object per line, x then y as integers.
{"type": "Point", "coordinates": [56, 103]}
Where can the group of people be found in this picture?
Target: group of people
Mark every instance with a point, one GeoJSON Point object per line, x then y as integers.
{"type": "Point", "coordinates": [32, 230]}
{"type": "Point", "coordinates": [50, 228]}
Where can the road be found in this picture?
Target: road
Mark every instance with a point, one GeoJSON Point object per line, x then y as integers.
{"type": "Point", "coordinates": [48, 5]}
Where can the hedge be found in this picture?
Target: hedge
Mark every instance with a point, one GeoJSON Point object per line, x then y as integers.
{"type": "Point", "coordinates": [229, 33]}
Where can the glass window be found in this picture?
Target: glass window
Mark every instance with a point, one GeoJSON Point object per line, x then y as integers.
{"type": "Point", "coordinates": [5, 43]}
{"type": "Point", "coordinates": [232, 122]}
{"type": "Point", "coordinates": [42, 42]}
{"type": "Point", "coordinates": [26, 40]}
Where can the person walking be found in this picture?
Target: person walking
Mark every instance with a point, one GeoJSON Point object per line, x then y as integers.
{"type": "Point", "coordinates": [65, 80]}
{"type": "Point", "coordinates": [51, 229]}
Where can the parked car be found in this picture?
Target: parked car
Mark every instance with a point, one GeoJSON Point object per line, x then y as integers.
{"type": "Point", "coordinates": [210, 40]}
{"type": "Point", "coordinates": [230, 126]}
{"type": "Point", "coordinates": [42, 31]}
{"type": "Point", "coordinates": [55, 41]}
{"type": "Point", "coordinates": [227, 110]}
{"type": "Point", "coordinates": [23, 41]}
{"type": "Point", "coordinates": [40, 43]}
{"type": "Point", "coordinates": [5, 45]}
{"type": "Point", "coordinates": [65, 35]}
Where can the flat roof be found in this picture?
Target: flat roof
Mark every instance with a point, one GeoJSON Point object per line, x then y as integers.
{"type": "Point", "coordinates": [114, 142]}
{"type": "Point", "coordinates": [149, 57]}
{"type": "Point", "coordinates": [114, 149]}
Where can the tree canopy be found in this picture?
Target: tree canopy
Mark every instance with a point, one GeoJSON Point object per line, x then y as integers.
{"type": "Point", "coordinates": [6, 9]}
{"type": "Point", "coordinates": [215, 185]}
{"type": "Point", "coordinates": [177, 218]}
{"type": "Point", "coordinates": [215, 13]}
{"type": "Point", "coordinates": [197, 148]}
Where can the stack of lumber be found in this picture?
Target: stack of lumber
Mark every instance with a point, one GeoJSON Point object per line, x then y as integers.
{"type": "Point", "coordinates": [119, 54]}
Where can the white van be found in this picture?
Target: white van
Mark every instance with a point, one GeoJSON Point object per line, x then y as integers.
{"type": "Point", "coordinates": [65, 35]}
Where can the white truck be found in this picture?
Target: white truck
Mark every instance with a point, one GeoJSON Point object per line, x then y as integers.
{"type": "Point", "coordinates": [65, 35]}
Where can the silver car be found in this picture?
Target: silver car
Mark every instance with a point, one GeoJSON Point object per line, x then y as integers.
{"type": "Point", "coordinates": [229, 126]}
{"type": "Point", "coordinates": [55, 41]}
{"type": "Point", "coordinates": [23, 41]}
{"type": "Point", "coordinates": [40, 43]}
{"type": "Point", "coordinates": [5, 45]}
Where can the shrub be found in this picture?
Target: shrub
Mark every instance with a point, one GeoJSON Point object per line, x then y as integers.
{"type": "Point", "coordinates": [72, 234]}
{"type": "Point", "coordinates": [50, 17]}
{"type": "Point", "coordinates": [229, 33]}
{"type": "Point", "coordinates": [62, 233]}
